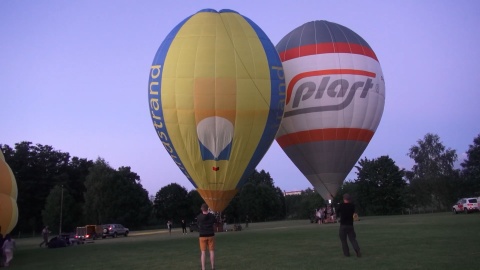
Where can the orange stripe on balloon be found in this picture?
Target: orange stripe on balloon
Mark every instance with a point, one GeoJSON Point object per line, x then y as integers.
{"type": "Point", "coordinates": [328, 134]}
{"type": "Point", "coordinates": [300, 76]}
{"type": "Point", "coordinates": [215, 97]}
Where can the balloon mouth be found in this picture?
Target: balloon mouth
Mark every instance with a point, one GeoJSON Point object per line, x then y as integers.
{"type": "Point", "coordinates": [217, 200]}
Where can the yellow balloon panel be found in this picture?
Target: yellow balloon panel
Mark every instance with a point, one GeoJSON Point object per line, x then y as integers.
{"type": "Point", "coordinates": [8, 185]}
{"type": "Point", "coordinates": [8, 214]}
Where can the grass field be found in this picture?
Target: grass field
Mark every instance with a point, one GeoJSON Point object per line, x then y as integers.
{"type": "Point", "coordinates": [427, 241]}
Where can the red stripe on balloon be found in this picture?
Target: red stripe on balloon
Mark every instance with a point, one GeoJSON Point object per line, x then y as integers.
{"type": "Point", "coordinates": [333, 47]}
{"type": "Point", "coordinates": [327, 134]}
{"type": "Point", "coordinates": [300, 76]}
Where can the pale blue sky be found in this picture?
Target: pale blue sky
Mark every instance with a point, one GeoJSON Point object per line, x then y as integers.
{"type": "Point", "coordinates": [74, 75]}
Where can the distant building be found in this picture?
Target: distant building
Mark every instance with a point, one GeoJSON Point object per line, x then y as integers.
{"type": "Point", "coordinates": [289, 193]}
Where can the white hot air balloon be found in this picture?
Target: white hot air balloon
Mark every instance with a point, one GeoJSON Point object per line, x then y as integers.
{"type": "Point", "coordinates": [335, 100]}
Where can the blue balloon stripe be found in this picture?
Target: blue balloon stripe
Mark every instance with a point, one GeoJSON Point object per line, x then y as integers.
{"type": "Point", "coordinates": [157, 113]}
{"type": "Point", "coordinates": [277, 101]}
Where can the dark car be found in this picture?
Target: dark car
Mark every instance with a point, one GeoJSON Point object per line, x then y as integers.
{"type": "Point", "coordinates": [114, 230]}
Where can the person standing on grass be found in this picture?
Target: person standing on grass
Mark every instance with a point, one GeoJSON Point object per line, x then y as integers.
{"type": "Point", "coordinates": [224, 220]}
{"type": "Point", "coordinates": [45, 233]}
{"type": "Point", "coordinates": [169, 226]}
{"type": "Point", "coordinates": [346, 211]}
{"type": "Point", "coordinates": [206, 233]}
{"type": "Point", "coordinates": [7, 248]}
{"type": "Point", "coordinates": [184, 226]}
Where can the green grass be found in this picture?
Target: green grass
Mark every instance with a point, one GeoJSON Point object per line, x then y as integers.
{"type": "Point", "coordinates": [428, 241]}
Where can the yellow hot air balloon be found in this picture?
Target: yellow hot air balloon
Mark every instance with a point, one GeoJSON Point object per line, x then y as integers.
{"type": "Point", "coordinates": [8, 197]}
{"type": "Point", "coordinates": [216, 95]}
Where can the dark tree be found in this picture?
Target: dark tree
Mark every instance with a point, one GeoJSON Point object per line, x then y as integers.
{"type": "Point", "coordinates": [293, 207]}
{"type": "Point", "coordinates": [433, 176]}
{"type": "Point", "coordinates": [78, 170]}
{"type": "Point", "coordinates": [350, 188]}
{"type": "Point", "coordinates": [99, 193]}
{"type": "Point", "coordinates": [134, 204]}
{"type": "Point", "coordinates": [113, 196]}
{"type": "Point", "coordinates": [37, 169]}
{"type": "Point", "coordinates": [260, 199]}
{"type": "Point", "coordinates": [58, 209]}
{"type": "Point", "coordinates": [171, 203]}
{"type": "Point", "coordinates": [471, 170]}
{"type": "Point", "coordinates": [311, 201]}
{"type": "Point", "coordinates": [194, 201]}
{"type": "Point", "coordinates": [380, 187]}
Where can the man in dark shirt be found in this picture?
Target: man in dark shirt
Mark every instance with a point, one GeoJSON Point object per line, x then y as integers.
{"type": "Point", "coordinates": [184, 226]}
{"type": "Point", "coordinates": [346, 211]}
{"type": "Point", "coordinates": [206, 232]}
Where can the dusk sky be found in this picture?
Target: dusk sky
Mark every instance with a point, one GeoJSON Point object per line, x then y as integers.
{"type": "Point", "coordinates": [74, 75]}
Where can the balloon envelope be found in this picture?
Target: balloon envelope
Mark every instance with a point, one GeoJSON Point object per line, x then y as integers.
{"type": "Point", "coordinates": [8, 213]}
{"type": "Point", "coordinates": [8, 196]}
{"type": "Point", "coordinates": [335, 100]}
{"type": "Point", "coordinates": [8, 184]}
{"type": "Point", "coordinates": [216, 96]}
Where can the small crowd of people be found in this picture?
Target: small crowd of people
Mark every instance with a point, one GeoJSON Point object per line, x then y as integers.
{"type": "Point", "coordinates": [325, 215]}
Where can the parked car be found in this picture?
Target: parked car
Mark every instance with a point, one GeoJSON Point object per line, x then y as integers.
{"type": "Point", "coordinates": [466, 205]}
{"type": "Point", "coordinates": [114, 230]}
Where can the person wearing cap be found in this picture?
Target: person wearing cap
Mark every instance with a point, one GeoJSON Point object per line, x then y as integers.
{"type": "Point", "coordinates": [206, 233]}
{"type": "Point", "coordinates": [345, 212]}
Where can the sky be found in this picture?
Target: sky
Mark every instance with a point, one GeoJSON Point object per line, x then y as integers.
{"type": "Point", "coordinates": [74, 75]}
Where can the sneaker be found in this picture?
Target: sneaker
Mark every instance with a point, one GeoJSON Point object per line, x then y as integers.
{"type": "Point", "coordinates": [359, 254]}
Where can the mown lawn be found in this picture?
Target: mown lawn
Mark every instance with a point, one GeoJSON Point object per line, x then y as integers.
{"type": "Point", "coordinates": [426, 241]}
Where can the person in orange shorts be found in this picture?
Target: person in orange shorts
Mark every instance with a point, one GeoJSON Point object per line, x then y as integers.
{"type": "Point", "coordinates": [206, 233]}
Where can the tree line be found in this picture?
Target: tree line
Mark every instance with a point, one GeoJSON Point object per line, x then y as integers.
{"type": "Point", "coordinates": [433, 183]}
{"type": "Point", "coordinates": [56, 188]}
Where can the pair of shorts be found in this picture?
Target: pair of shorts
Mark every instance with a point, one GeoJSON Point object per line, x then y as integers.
{"type": "Point", "coordinates": [207, 242]}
